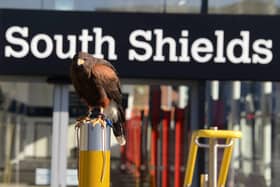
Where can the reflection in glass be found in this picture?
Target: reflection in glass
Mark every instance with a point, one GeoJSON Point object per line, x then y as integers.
{"type": "Point", "coordinates": [25, 130]}
{"type": "Point", "coordinates": [252, 108]}
{"type": "Point", "coordinates": [242, 7]}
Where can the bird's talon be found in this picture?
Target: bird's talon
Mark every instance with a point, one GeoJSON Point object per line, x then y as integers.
{"type": "Point", "coordinates": [99, 121]}
{"type": "Point", "coordinates": [94, 122]}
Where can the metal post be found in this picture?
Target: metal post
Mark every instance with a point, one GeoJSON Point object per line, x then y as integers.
{"type": "Point", "coordinates": [17, 147]}
{"type": "Point", "coordinates": [203, 180]}
{"type": "Point", "coordinates": [94, 156]}
{"type": "Point", "coordinates": [267, 130]}
{"type": "Point", "coordinates": [215, 106]}
{"type": "Point", "coordinates": [247, 127]}
{"type": "Point", "coordinates": [59, 136]}
{"type": "Point", "coordinates": [204, 7]}
{"type": "Point", "coordinates": [236, 92]}
{"type": "Point", "coordinates": [213, 154]}
{"type": "Point", "coordinates": [8, 149]}
{"type": "Point", "coordinates": [202, 90]}
{"type": "Point", "coordinates": [197, 121]}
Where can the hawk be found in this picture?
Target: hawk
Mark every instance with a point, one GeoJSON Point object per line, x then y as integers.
{"type": "Point", "coordinates": [97, 84]}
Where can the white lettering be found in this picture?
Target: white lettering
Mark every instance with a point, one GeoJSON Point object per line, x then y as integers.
{"type": "Point", "coordinates": [244, 44]}
{"type": "Point", "coordinates": [59, 46]}
{"type": "Point", "coordinates": [85, 38]}
{"type": "Point", "coordinates": [146, 47]}
{"type": "Point", "coordinates": [99, 40]}
{"type": "Point", "coordinates": [199, 46]}
{"type": "Point", "coordinates": [24, 47]}
{"type": "Point", "coordinates": [184, 41]}
{"type": "Point", "coordinates": [219, 58]}
{"type": "Point", "coordinates": [48, 45]}
{"type": "Point", "coordinates": [263, 53]}
{"type": "Point", "coordinates": [160, 42]}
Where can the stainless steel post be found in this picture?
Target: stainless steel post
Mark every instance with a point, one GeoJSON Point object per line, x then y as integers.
{"type": "Point", "coordinates": [213, 154]}
{"type": "Point", "coordinates": [203, 180]}
{"type": "Point", "coordinates": [59, 136]}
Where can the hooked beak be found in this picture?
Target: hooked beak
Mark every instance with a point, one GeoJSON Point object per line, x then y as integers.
{"type": "Point", "coordinates": [80, 62]}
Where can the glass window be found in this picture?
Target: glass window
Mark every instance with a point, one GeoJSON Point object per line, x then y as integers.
{"type": "Point", "coordinates": [242, 7]}
{"type": "Point", "coordinates": [25, 131]}
{"type": "Point", "coordinates": [64, 4]}
{"type": "Point", "coordinates": [159, 6]}
{"type": "Point", "coordinates": [182, 6]}
{"type": "Point", "coordinates": [252, 108]}
{"type": "Point", "coordinates": [22, 4]}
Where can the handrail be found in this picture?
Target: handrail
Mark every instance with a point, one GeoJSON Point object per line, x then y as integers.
{"type": "Point", "coordinates": [212, 135]}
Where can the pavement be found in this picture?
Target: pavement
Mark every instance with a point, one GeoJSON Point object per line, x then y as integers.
{"type": "Point", "coordinates": [19, 185]}
{"type": "Point", "coordinates": [13, 185]}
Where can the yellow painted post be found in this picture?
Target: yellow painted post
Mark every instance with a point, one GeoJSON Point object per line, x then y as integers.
{"type": "Point", "coordinates": [94, 156]}
{"type": "Point", "coordinates": [191, 161]}
{"type": "Point", "coordinates": [225, 163]}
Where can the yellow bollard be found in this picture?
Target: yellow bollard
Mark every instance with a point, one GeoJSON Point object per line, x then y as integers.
{"type": "Point", "coordinates": [94, 156]}
{"type": "Point", "coordinates": [212, 135]}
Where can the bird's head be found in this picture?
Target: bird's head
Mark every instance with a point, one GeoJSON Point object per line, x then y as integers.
{"type": "Point", "coordinates": [82, 59]}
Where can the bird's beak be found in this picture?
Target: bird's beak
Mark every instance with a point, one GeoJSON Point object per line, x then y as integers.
{"type": "Point", "coordinates": [80, 62]}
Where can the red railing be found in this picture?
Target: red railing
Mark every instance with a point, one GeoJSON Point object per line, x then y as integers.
{"type": "Point", "coordinates": [165, 148]}
{"type": "Point", "coordinates": [171, 151]}
{"type": "Point", "coordinates": [179, 121]}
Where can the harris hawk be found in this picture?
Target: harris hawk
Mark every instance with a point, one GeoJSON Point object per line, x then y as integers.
{"type": "Point", "coordinates": [97, 84]}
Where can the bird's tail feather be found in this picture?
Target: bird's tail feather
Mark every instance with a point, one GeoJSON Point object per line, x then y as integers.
{"type": "Point", "coordinates": [121, 140]}
{"type": "Point", "coordinates": [119, 133]}
{"type": "Point", "coordinates": [118, 127]}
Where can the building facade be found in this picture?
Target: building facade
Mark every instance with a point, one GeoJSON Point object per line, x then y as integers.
{"type": "Point", "coordinates": [30, 106]}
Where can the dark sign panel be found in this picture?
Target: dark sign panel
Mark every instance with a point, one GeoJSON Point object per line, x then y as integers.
{"type": "Point", "coordinates": [157, 46]}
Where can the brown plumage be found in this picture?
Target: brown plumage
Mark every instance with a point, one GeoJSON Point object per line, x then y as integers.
{"type": "Point", "coordinates": [96, 82]}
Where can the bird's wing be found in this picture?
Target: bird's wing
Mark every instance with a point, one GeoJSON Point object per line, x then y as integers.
{"type": "Point", "coordinates": [110, 85]}
{"type": "Point", "coordinates": [109, 80]}
{"type": "Point", "coordinates": [104, 62]}
{"type": "Point", "coordinates": [83, 83]}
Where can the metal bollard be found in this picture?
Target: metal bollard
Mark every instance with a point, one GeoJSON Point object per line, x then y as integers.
{"type": "Point", "coordinates": [94, 156]}
{"type": "Point", "coordinates": [213, 160]}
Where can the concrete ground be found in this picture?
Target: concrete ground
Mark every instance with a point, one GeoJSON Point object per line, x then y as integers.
{"type": "Point", "coordinates": [19, 185]}
{"type": "Point", "coordinates": [14, 185]}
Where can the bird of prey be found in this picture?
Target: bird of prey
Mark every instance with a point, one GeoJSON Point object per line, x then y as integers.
{"type": "Point", "coordinates": [97, 84]}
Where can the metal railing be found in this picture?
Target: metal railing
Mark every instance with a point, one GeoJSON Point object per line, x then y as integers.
{"type": "Point", "coordinates": [213, 135]}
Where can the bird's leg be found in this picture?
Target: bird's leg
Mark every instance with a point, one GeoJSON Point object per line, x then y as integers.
{"type": "Point", "coordinates": [82, 120]}
{"type": "Point", "coordinates": [99, 119]}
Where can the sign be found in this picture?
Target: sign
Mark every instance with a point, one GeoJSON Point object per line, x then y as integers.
{"type": "Point", "coordinates": [152, 46]}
